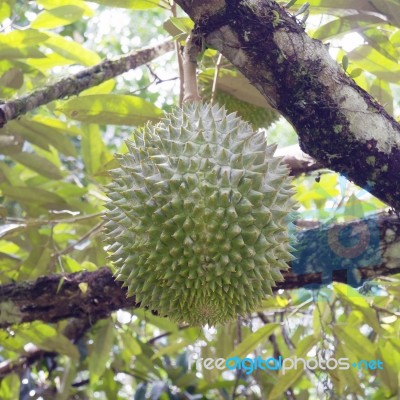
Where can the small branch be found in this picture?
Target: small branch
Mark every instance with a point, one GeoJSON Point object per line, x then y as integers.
{"type": "Point", "coordinates": [163, 335]}
{"type": "Point", "coordinates": [191, 51]}
{"type": "Point", "coordinates": [385, 310]}
{"type": "Point", "coordinates": [16, 366]}
{"type": "Point", "coordinates": [74, 84]}
{"type": "Point", "coordinates": [179, 59]}
{"type": "Point", "coordinates": [52, 222]}
{"type": "Point", "coordinates": [214, 85]}
{"type": "Point", "coordinates": [86, 236]}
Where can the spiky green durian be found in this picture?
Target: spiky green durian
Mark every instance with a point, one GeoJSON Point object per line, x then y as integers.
{"type": "Point", "coordinates": [197, 222]}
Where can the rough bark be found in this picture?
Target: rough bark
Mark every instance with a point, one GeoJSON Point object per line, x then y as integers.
{"type": "Point", "coordinates": [338, 123]}
{"type": "Point", "coordinates": [75, 84]}
{"type": "Point", "coordinates": [349, 253]}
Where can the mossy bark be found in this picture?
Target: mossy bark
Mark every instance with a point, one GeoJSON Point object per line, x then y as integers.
{"type": "Point", "coordinates": [338, 123]}
{"type": "Point", "coordinates": [374, 246]}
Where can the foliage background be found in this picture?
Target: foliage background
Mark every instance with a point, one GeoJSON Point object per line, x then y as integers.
{"type": "Point", "coordinates": [53, 167]}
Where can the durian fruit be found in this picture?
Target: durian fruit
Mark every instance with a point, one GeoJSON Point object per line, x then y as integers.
{"type": "Point", "coordinates": [258, 117]}
{"type": "Point", "coordinates": [197, 218]}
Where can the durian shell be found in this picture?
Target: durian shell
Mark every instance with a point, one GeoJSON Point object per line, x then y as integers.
{"type": "Point", "coordinates": [197, 222]}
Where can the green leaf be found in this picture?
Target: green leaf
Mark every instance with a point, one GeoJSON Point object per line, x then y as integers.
{"type": "Point", "coordinates": [111, 385]}
{"type": "Point", "coordinates": [10, 313]}
{"type": "Point", "coordinates": [100, 351]}
{"type": "Point", "coordinates": [225, 340]}
{"type": "Point", "coordinates": [50, 4]}
{"type": "Point", "coordinates": [130, 344]}
{"type": "Point", "coordinates": [163, 323]}
{"type": "Point", "coordinates": [72, 50]}
{"type": "Point", "coordinates": [355, 73]}
{"type": "Point", "coordinates": [92, 148]}
{"type": "Point", "coordinates": [47, 338]}
{"type": "Point", "coordinates": [134, 4]}
{"type": "Point", "coordinates": [382, 91]}
{"type": "Point", "coordinates": [43, 131]}
{"type": "Point", "coordinates": [352, 338]}
{"type": "Point", "coordinates": [395, 38]}
{"type": "Point", "coordinates": [380, 42]}
{"type": "Point", "coordinates": [5, 11]}
{"type": "Point", "coordinates": [44, 64]}
{"type": "Point", "coordinates": [345, 62]}
{"type": "Point", "coordinates": [356, 300]}
{"type": "Point", "coordinates": [59, 16]}
{"type": "Point", "coordinates": [38, 260]}
{"type": "Point", "coordinates": [346, 24]}
{"type": "Point", "coordinates": [291, 376]}
{"type": "Point", "coordinates": [13, 78]}
{"type": "Point", "coordinates": [252, 341]}
{"type": "Point", "coordinates": [290, 3]}
{"type": "Point", "coordinates": [39, 165]}
{"type": "Point", "coordinates": [25, 194]}
{"type": "Point", "coordinates": [376, 63]}
{"type": "Point", "coordinates": [171, 349]}
{"type": "Point", "coordinates": [22, 38]}
{"type": "Point", "coordinates": [9, 387]}
{"type": "Point", "coordinates": [9, 53]}
{"type": "Point", "coordinates": [353, 208]}
{"type": "Point", "coordinates": [178, 25]}
{"type": "Point", "coordinates": [104, 88]}
{"type": "Point", "coordinates": [345, 378]}
{"type": "Point", "coordinates": [67, 379]}
{"type": "Point", "coordinates": [111, 109]}
{"type": "Point", "coordinates": [391, 361]}
{"type": "Point", "coordinates": [236, 84]}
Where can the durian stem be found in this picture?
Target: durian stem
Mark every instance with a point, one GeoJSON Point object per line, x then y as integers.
{"type": "Point", "coordinates": [179, 58]}
{"type": "Point", "coordinates": [214, 85]}
{"type": "Point", "coordinates": [190, 53]}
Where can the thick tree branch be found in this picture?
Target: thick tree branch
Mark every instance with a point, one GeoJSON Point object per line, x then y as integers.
{"type": "Point", "coordinates": [350, 253]}
{"type": "Point", "coordinates": [338, 123]}
{"type": "Point", "coordinates": [81, 81]}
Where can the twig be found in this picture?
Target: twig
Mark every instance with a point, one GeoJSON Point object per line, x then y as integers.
{"type": "Point", "coordinates": [39, 222]}
{"type": "Point", "coordinates": [385, 310]}
{"type": "Point", "coordinates": [84, 79]}
{"type": "Point", "coordinates": [214, 85]}
{"type": "Point", "coordinates": [179, 59]}
{"type": "Point", "coordinates": [87, 235]}
{"type": "Point", "coordinates": [190, 53]}
{"type": "Point", "coordinates": [163, 335]}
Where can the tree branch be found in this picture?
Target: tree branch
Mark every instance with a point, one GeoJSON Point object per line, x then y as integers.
{"type": "Point", "coordinates": [350, 253]}
{"type": "Point", "coordinates": [74, 84]}
{"type": "Point", "coordinates": [338, 124]}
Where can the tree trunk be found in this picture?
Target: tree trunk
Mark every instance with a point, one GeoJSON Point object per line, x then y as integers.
{"type": "Point", "coordinates": [338, 123]}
